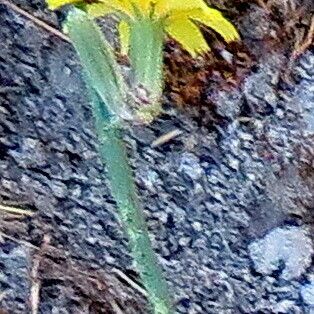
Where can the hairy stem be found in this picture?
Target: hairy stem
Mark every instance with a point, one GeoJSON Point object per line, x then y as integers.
{"type": "Point", "coordinates": [88, 41]}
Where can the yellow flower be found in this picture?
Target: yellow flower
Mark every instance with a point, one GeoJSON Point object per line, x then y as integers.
{"type": "Point", "coordinates": [180, 19]}
{"type": "Point", "coordinates": [55, 4]}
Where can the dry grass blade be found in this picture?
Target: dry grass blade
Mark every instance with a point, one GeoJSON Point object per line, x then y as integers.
{"type": "Point", "coordinates": [36, 20]}
{"type": "Point", "coordinates": [15, 210]}
{"type": "Point", "coordinates": [131, 282]}
{"type": "Point", "coordinates": [94, 284]}
{"type": "Point", "coordinates": [115, 307]}
{"type": "Point", "coordinates": [35, 288]}
{"type": "Point", "coordinates": [36, 282]}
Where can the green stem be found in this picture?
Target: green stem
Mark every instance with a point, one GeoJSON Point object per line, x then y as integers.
{"type": "Point", "coordinates": [113, 154]}
{"type": "Point", "coordinates": [86, 39]}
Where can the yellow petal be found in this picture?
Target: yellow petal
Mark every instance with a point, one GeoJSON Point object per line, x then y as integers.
{"type": "Point", "coordinates": [54, 4]}
{"type": "Point", "coordinates": [188, 35]}
{"type": "Point", "coordinates": [105, 7]}
{"type": "Point", "coordinates": [124, 35]}
{"type": "Point", "coordinates": [215, 20]}
{"type": "Point", "coordinates": [143, 5]}
{"type": "Point", "coordinates": [164, 7]}
{"type": "Point", "coordinates": [99, 9]}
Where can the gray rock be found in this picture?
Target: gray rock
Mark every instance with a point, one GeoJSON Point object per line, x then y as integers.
{"type": "Point", "coordinates": [290, 245]}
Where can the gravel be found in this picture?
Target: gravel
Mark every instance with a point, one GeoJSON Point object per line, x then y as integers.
{"type": "Point", "coordinates": [212, 196]}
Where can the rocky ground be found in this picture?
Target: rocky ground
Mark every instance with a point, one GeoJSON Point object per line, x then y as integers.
{"type": "Point", "coordinates": [229, 203]}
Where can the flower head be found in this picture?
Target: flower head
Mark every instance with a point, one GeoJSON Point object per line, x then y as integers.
{"type": "Point", "coordinates": [181, 20]}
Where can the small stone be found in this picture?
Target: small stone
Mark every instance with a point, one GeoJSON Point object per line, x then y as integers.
{"type": "Point", "coordinates": [251, 176]}
{"type": "Point", "coordinates": [189, 165]}
{"type": "Point", "coordinates": [8, 184]}
{"type": "Point", "coordinates": [234, 164]}
{"type": "Point", "coordinates": [197, 226]}
{"type": "Point", "coordinates": [184, 241]}
{"type": "Point", "coordinates": [307, 293]}
{"type": "Point", "coordinates": [67, 71]}
{"type": "Point", "coordinates": [59, 189]}
{"type": "Point", "coordinates": [227, 55]}
{"type": "Point", "coordinates": [280, 113]}
{"type": "Point", "coordinates": [246, 137]}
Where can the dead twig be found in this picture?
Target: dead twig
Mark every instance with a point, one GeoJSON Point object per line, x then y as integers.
{"type": "Point", "coordinates": [36, 283]}
{"type": "Point", "coordinates": [36, 20]}
{"type": "Point", "coordinates": [264, 5]}
{"type": "Point", "coordinates": [166, 138]}
{"type": "Point", "coordinates": [306, 43]}
{"type": "Point", "coordinates": [22, 242]}
{"type": "Point", "coordinates": [116, 271]}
